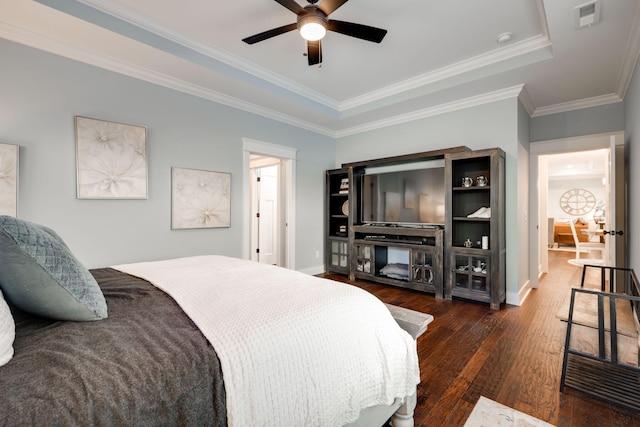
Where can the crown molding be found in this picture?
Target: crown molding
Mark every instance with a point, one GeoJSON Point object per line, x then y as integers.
{"type": "Point", "coordinates": [470, 64]}
{"type": "Point", "coordinates": [217, 54]}
{"type": "Point", "coordinates": [40, 42]}
{"type": "Point", "coordinates": [46, 44]}
{"type": "Point", "coordinates": [542, 16]}
{"type": "Point", "coordinates": [631, 56]}
{"type": "Point", "coordinates": [461, 104]}
{"type": "Point", "coordinates": [526, 101]}
{"type": "Point", "coordinates": [564, 107]}
{"type": "Point", "coordinates": [465, 66]}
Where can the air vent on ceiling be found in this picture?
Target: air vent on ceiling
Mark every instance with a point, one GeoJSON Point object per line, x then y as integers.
{"type": "Point", "coordinates": [587, 14]}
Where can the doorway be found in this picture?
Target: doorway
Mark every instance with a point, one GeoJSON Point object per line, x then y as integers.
{"type": "Point", "coordinates": [610, 198]}
{"type": "Point", "coordinates": [578, 188]}
{"type": "Point", "coordinates": [279, 236]}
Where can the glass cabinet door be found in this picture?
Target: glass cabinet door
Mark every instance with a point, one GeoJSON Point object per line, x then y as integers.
{"type": "Point", "coordinates": [470, 272]}
{"type": "Point", "coordinates": [364, 256]}
{"type": "Point", "coordinates": [422, 267]}
{"type": "Point", "coordinates": [339, 254]}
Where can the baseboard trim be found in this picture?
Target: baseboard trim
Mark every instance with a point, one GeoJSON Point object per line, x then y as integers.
{"type": "Point", "coordinates": [518, 298]}
{"type": "Point", "coordinates": [313, 271]}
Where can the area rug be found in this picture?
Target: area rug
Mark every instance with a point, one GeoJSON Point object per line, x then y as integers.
{"type": "Point", "coordinates": [488, 413]}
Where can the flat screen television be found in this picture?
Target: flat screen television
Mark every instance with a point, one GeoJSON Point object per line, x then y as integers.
{"type": "Point", "coordinates": [411, 194]}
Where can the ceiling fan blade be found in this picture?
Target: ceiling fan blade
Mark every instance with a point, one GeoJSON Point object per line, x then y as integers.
{"type": "Point", "coordinates": [328, 6]}
{"type": "Point", "coordinates": [291, 5]}
{"type": "Point", "coordinates": [270, 33]}
{"type": "Point", "coordinates": [314, 52]}
{"type": "Point", "coordinates": [360, 31]}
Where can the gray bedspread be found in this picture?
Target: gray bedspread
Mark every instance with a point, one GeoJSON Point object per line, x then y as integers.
{"type": "Point", "coordinates": [147, 364]}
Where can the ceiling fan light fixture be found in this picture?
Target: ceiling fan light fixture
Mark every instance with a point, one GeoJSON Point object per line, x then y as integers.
{"type": "Point", "coordinates": [312, 27]}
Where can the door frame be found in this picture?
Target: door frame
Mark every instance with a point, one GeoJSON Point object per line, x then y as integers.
{"type": "Point", "coordinates": [288, 157]}
{"type": "Point", "coordinates": [538, 224]}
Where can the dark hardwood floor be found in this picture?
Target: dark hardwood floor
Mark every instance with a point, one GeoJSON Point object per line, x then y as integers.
{"type": "Point", "coordinates": [512, 356]}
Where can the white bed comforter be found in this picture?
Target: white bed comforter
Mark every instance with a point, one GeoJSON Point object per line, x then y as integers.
{"type": "Point", "coordinates": [295, 350]}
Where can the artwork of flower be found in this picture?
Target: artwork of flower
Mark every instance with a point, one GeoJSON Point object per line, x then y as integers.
{"type": "Point", "coordinates": [9, 179]}
{"type": "Point", "coordinates": [200, 199]}
{"type": "Point", "coordinates": [112, 160]}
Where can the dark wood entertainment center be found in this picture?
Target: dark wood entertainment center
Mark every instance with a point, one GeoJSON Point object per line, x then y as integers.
{"type": "Point", "coordinates": [464, 257]}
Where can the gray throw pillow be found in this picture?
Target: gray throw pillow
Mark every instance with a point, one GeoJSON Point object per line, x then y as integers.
{"type": "Point", "coordinates": [40, 275]}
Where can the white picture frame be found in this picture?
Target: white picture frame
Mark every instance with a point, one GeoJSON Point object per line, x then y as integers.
{"type": "Point", "coordinates": [9, 166]}
{"type": "Point", "coordinates": [111, 160]}
{"type": "Point", "coordinates": [200, 199]}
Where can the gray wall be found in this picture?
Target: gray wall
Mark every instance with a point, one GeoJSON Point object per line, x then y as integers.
{"type": "Point", "coordinates": [621, 116]}
{"type": "Point", "coordinates": [632, 148]}
{"type": "Point", "coordinates": [41, 93]}
{"type": "Point", "coordinates": [521, 220]}
{"type": "Point", "coordinates": [487, 126]}
{"type": "Point", "coordinates": [586, 121]}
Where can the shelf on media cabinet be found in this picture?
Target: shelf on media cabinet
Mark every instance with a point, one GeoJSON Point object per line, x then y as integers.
{"type": "Point", "coordinates": [472, 188]}
{"type": "Point", "coordinates": [397, 230]}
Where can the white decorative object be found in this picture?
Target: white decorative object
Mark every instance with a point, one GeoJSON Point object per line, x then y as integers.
{"type": "Point", "coordinates": [200, 199]}
{"type": "Point", "coordinates": [111, 160]}
{"type": "Point", "coordinates": [577, 201]}
{"type": "Point", "coordinates": [344, 186]}
{"type": "Point", "coordinates": [485, 242]}
{"type": "Point", "coordinates": [490, 413]}
{"type": "Point", "coordinates": [9, 179]}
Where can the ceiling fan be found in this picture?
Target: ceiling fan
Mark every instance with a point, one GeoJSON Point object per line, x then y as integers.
{"type": "Point", "coordinates": [313, 24]}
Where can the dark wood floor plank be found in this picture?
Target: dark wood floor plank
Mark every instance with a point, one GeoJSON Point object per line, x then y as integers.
{"type": "Point", "coordinates": [512, 356]}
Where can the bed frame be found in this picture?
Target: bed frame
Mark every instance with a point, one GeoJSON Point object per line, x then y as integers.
{"type": "Point", "coordinates": [401, 411]}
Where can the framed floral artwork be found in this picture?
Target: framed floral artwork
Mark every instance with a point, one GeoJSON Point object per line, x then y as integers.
{"type": "Point", "coordinates": [200, 199]}
{"type": "Point", "coordinates": [111, 160]}
{"type": "Point", "coordinates": [9, 179]}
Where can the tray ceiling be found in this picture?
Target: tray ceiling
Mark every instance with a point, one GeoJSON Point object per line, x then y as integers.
{"type": "Point", "coordinates": [437, 55]}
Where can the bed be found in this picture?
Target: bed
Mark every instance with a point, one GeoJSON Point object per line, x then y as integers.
{"type": "Point", "coordinates": [205, 340]}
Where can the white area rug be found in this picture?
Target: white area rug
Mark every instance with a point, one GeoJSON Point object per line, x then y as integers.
{"type": "Point", "coordinates": [488, 413]}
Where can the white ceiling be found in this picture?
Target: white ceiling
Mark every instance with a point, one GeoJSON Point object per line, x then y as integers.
{"type": "Point", "coordinates": [437, 56]}
{"type": "Point", "coordinates": [577, 165]}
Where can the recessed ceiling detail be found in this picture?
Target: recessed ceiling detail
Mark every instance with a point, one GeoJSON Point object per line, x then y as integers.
{"type": "Point", "coordinates": [428, 59]}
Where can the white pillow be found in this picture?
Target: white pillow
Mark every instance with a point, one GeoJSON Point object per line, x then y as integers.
{"type": "Point", "coordinates": [7, 332]}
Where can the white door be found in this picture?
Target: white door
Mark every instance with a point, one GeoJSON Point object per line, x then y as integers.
{"type": "Point", "coordinates": [267, 215]}
{"type": "Point", "coordinates": [616, 211]}
{"type": "Point", "coordinates": [610, 208]}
